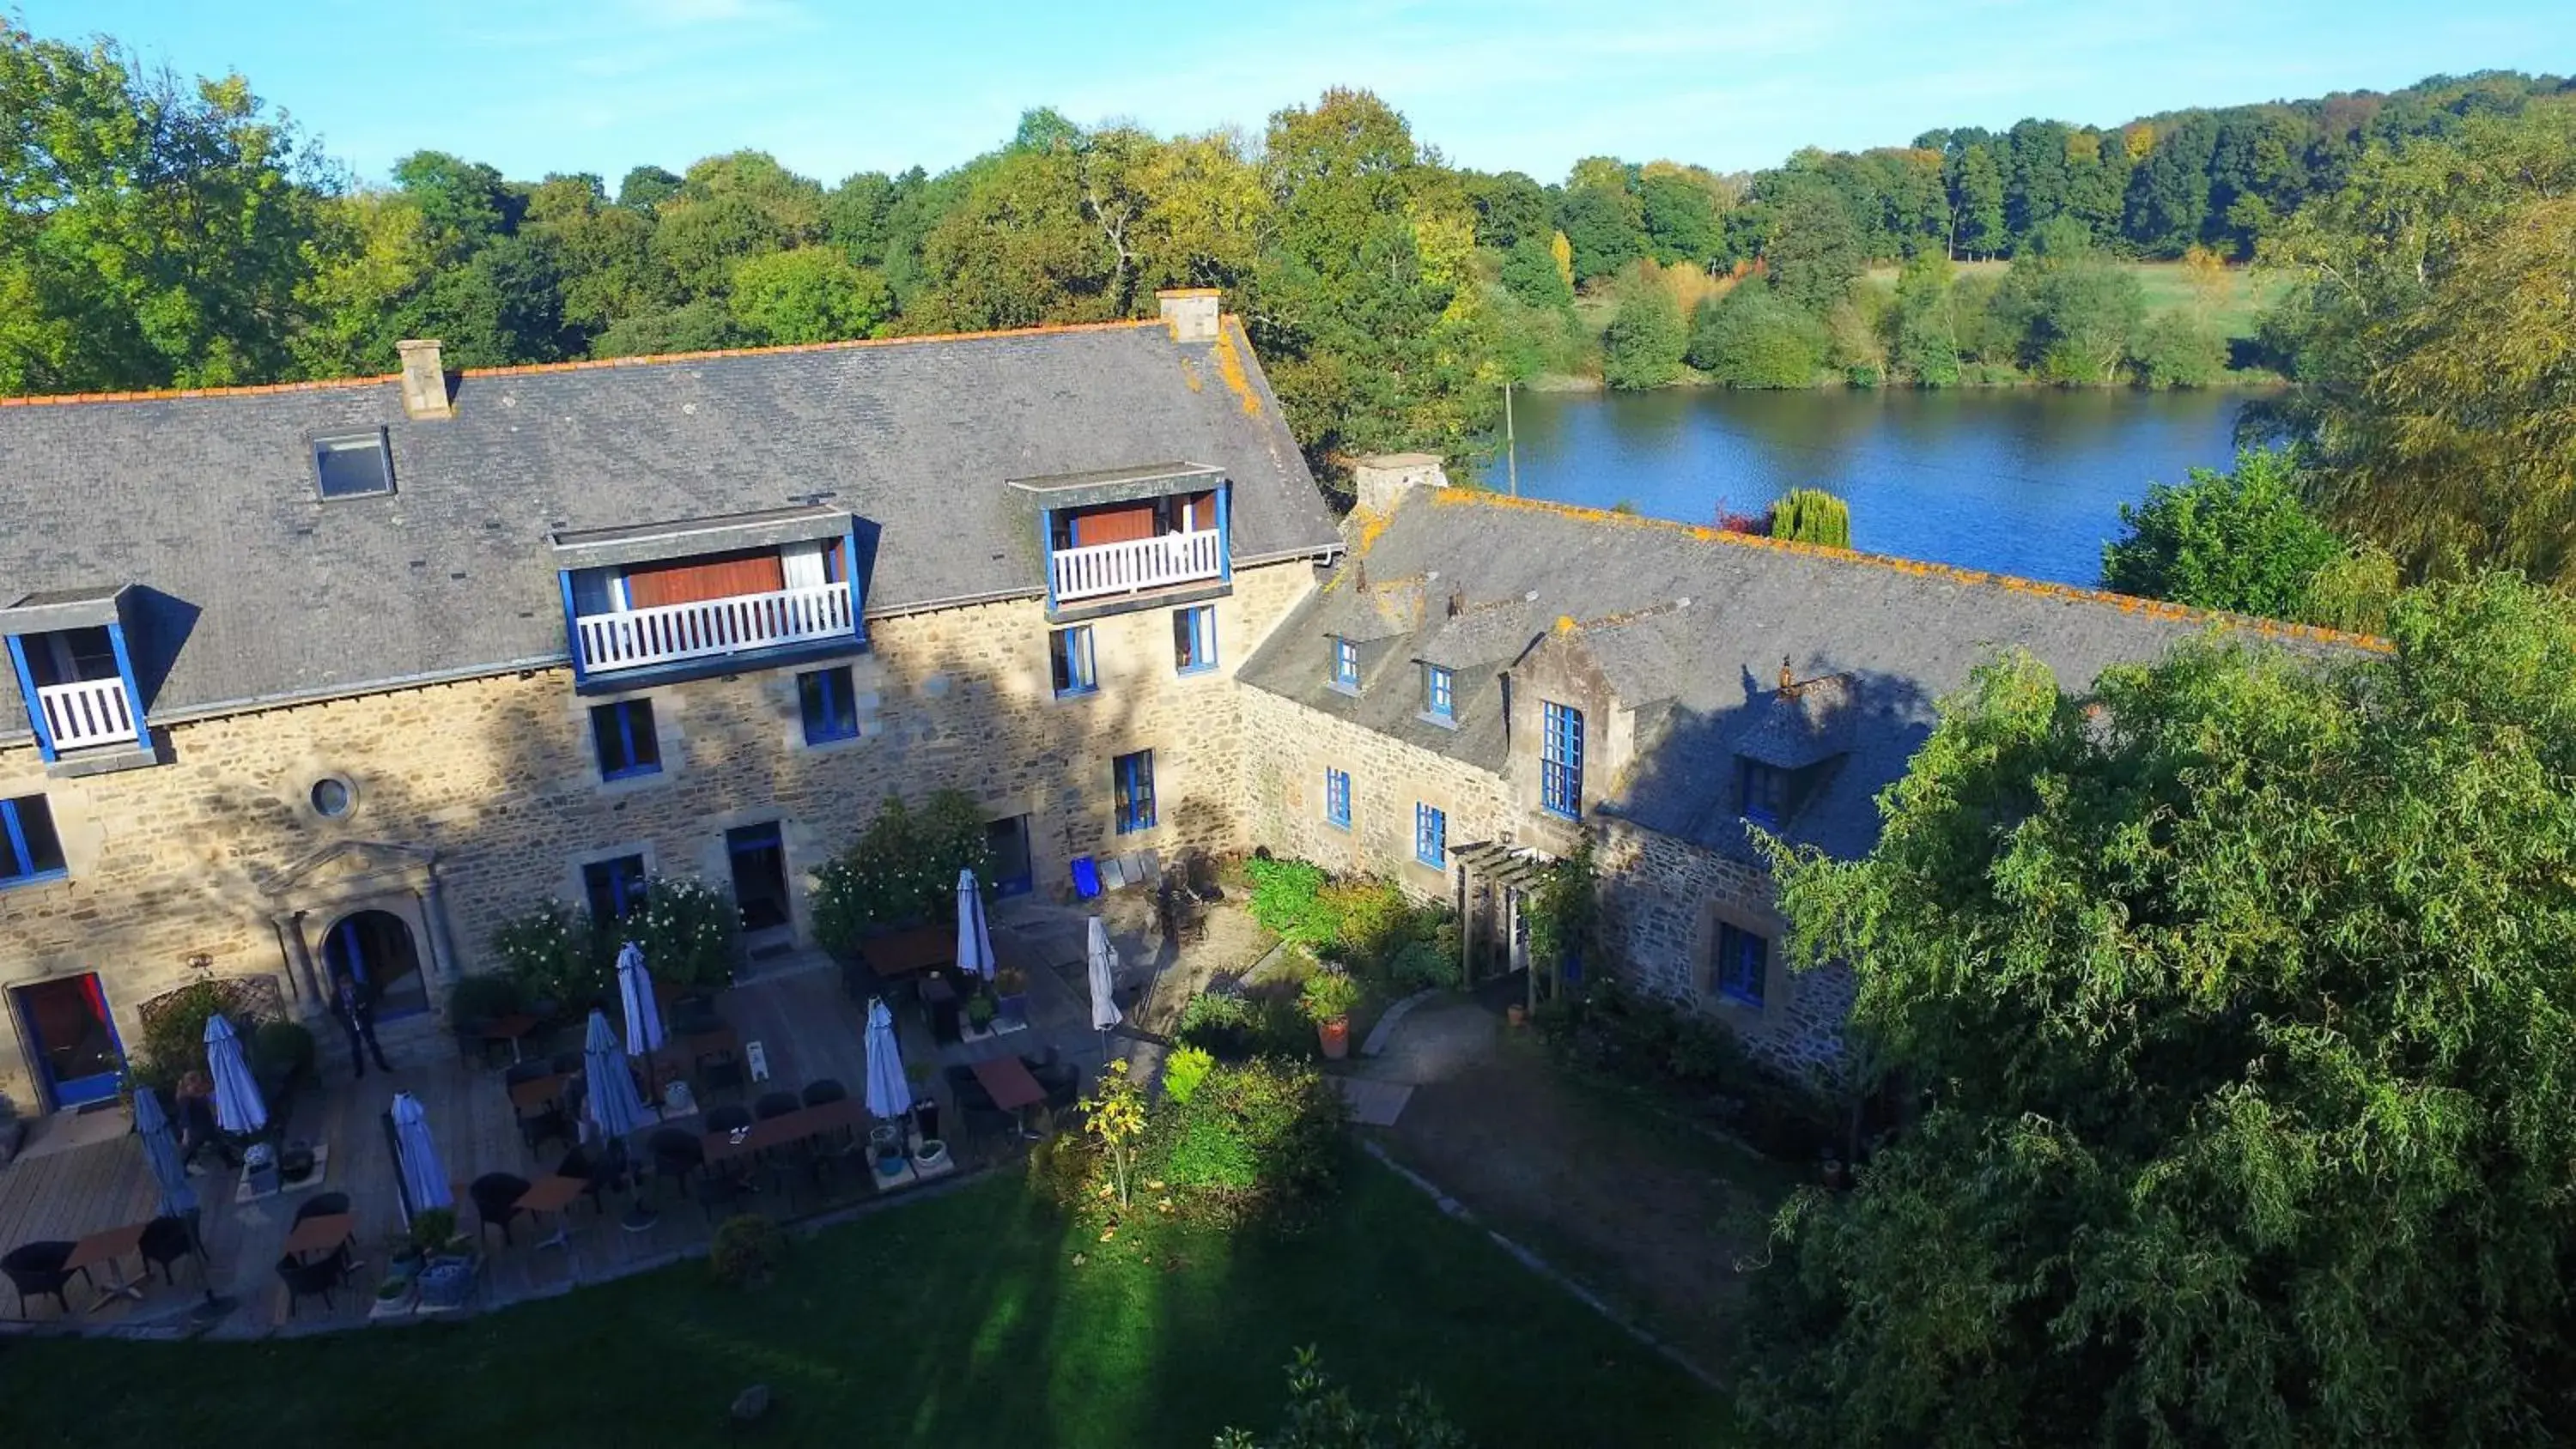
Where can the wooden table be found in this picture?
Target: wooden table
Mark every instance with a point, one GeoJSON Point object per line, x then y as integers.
{"type": "Point", "coordinates": [553, 1194]}
{"type": "Point", "coordinates": [511, 1029]}
{"type": "Point", "coordinates": [904, 953]}
{"type": "Point", "coordinates": [108, 1247]}
{"type": "Point", "coordinates": [537, 1092]}
{"type": "Point", "coordinates": [322, 1234]}
{"type": "Point", "coordinates": [1009, 1083]}
{"type": "Point", "coordinates": [779, 1131]}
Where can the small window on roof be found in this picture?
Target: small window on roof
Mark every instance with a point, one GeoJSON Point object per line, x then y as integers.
{"type": "Point", "coordinates": [353, 465]}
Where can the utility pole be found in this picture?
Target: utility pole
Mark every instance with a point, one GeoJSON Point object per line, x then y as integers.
{"type": "Point", "coordinates": [1511, 445]}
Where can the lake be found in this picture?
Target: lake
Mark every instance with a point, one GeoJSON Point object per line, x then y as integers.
{"type": "Point", "coordinates": [2025, 481]}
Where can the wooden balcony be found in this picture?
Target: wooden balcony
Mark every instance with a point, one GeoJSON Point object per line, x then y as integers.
{"type": "Point", "coordinates": [86, 714]}
{"type": "Point", "coordinates": [1101, 569]}
{"type": "Point", "coordinates": [674, 633]}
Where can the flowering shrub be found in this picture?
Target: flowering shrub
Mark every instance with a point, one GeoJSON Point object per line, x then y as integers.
{"type": "Point", "coordinates": [552, 954]}
{"type": "Point", "coordinates": [1260, 1140]}
{"type": "Point", "coordinates": [686, 930]}
{"type": "Point", "coordinates": [901, 871]}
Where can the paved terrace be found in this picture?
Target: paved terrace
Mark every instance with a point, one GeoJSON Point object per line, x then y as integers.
{"type": "Point", "coordinates": [794, 1009]}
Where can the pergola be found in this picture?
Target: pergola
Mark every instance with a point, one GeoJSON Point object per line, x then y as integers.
{"type": "Point", "coordinates": [1508, 873]}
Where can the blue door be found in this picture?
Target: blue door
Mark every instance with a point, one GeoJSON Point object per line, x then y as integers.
{"type": "Point", "coordinates": [375, 949]}
{"type": "Point", "coordinates": [77, 1053]}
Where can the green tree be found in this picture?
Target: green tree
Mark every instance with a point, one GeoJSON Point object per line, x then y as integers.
{"type": "Point", "coordinates": [1604, 229]}
{"type": "Point", "coordinates": [1529, 272]}
{"type": "Point", "coordinates": [1814, 251]}
{"type": "Point", "coordinates": [1511, 208]}
{"type": "Point", "coordinates": [1977, 204]}
{"type": "Point", "coordinates": [2239, 541]}
{"type": "Point", "coordinates": [1752, 338]}
{"type": "Point", "coordinates": [1811, 515]}
{"type": "Point", "coordinates": [1679, 218]}
{"type": "Point", "coordinates": [811, 294]}
{"type": "Point", "coordinates": [2176, 349]}
{"type": "Point", "coordinates": [1642, 347]}
{"type": "Point", "coordinates": [2243, 997]}
{"type": "Point", "coordinates": [1927, 327]}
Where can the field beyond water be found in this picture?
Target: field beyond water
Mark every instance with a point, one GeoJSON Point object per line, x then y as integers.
{"type": "Point", "coordinates": [977, 1318]}
{"type": "Point", "coordinates": [2235, 311]}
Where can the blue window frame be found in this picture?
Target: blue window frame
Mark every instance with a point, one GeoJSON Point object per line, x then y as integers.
{"type": "Point", "coordinates": [1743, 964]}
{"type": "Point", "coordinates": [1134, 776]}
{"type": "Point", "coordinates": [29, 848]}
{"type": "Point", "coordinates": [624, 734]}
{"type": "Point", "coordinates": [1431, 836]}
{"type": "Point", "coordinates": [1346, 663]}
{"type": "Point", "coordinates": [1560, 761]}
{"type": "Point", "coordinates": [1069, 656]}
{"type": "Point", "coordinates": [1439, 695]}
{"type": "Point", "coordinates": [1194, 639]}
{"type": "Point", "coordinates": [829, 703]}
{"type": "Point", "coordinates": [614, 887]}
{"type": "Point", "coordinates": [1337, 798]}
{"type": "Point", "coordinates": [1764, 790]}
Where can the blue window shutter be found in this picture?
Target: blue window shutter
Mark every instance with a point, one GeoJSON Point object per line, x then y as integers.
{"type": "Point", "coordinates": [133, 692]}
{"type": "Point", "coordinates": [27, 691]}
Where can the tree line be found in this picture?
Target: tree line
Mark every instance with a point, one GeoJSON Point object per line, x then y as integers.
{"type": "Point", "coordinates": [160, 232]}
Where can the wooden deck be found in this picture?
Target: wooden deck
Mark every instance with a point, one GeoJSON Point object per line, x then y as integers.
{"type": "Point", "coordinates": [795, 1011]}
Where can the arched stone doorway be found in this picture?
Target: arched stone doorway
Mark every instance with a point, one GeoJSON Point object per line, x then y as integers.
{"type": "Point", "coordinates": [377, 949]}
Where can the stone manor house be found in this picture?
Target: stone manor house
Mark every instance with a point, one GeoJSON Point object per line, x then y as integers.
{"type": "Point", "coordinates": [335, 677]}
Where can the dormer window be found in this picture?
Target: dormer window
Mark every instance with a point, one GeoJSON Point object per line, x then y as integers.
{"type": "Point", "coordinates": [1346, 664]}
{"type": "Point", "coordinates": [1439, 695]}
{"type": "Point", "coordinates": [1560, 760]}
{"type": "Point", "coordinates": [353, 465]}
{"type": "Point", "coordinates": [1765, 790]}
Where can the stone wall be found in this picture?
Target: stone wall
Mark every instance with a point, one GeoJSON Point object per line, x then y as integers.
{"type": "Point", "coordinates": [477, 800]}
{"type": "Point", "coordinates": [1287, 747]}
{"type": "Point", "coordinates": [1662, 902]}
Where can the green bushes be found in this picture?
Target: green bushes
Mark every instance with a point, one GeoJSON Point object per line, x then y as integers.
{"type": "Point", "coordinates": [281, 1051]}
{"type": "Point", "coordinates": [551, 953]}
{"type": "Point", "coordinates": [902, 870]}
{"type": "Point", "coordinates": [1262, 1140]}
{"type": "Point", "coordinates": [1753, 338]}
{"type": "Point", "coordinates": [1288, 900]}
{"type": "Point", "coordinates": [486, 995]}
{"type": "Point", "coordinates": [1363, 923]}
{"type": "Point", "coordinates": [1643, 345]}
{"type": "Point", "coordinates": [1638, 1040]}
{"type": "Point", "coordinates": [174, 1035]}
{"type": "Point", "coordinates": [1239, 1028]}
{"type": "Point", "coordinates": [1811, 515]}
{"type": "Point", "coordinates": [746, 1249]}
{"type": "Point", "coordinates": [1184, 1070]}
{"type": "Point", "coordinates": [686, 930]}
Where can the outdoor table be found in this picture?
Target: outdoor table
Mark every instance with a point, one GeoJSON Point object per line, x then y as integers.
{"type": "Point", "coordinates": [904, 953]}
{"type": "Point", "coordinates": [534, 1093]}
{"type": "Point", "coordinates": [555, 1194]}
{"type": "Point", "coordinates": [322, 1234]}
{"type": "Point", "coordinates": [512, 1029]}
{"type": "Point", "coordinates": [108, 1247]}
{"type": "Point", "coordinates": [1008, 1080]}
{"type": "Point", "coordinates": [779, 1131]}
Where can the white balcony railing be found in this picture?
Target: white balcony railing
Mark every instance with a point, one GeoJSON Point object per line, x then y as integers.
{"type": "Point", "coordinates": [89, 712]}
{"type": "Point", "coordinates": [668, 633]}
{"type": "Point", "coordinates": [1144, 563]}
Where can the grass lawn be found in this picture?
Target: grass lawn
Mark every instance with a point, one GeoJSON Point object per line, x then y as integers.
{"type": "Point", "coordinates": [2168, 287]}
{"type": "Point", "coordinates": [959, 1321]}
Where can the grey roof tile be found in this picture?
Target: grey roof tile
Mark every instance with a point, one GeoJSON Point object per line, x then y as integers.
{"type": "Point", "coordinates": [253, 588]}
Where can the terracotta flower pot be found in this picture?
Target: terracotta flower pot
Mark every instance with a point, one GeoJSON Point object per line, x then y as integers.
{"type": "Point", "coordinates": [1336, 1037]}
{"type": "Point", "coordinates": [1516, 1014]}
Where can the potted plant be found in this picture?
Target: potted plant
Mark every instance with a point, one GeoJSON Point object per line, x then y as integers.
{"type": "Point", "coordinates": [980, 1010]}
{"type": "Point", "coordinates": [1327, 999]}
{"type": "Point", "coordinates": [1011, 986]}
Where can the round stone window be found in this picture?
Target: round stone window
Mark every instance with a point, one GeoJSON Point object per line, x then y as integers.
{"type": "Point", "coordinates": [333, 797]}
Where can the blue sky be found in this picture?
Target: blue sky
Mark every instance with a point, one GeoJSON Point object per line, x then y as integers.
{"type": "Point", "coordinates": [834, 88]}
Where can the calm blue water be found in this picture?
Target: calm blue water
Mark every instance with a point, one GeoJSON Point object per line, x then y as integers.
{"type": "Point", "coordinates": [2022, 481]}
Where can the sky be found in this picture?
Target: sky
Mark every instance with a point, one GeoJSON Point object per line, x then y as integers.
{"type": "Point", "coordinates": [833, 87]}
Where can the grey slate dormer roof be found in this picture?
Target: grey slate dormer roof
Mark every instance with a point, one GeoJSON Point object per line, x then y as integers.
{"type": "Point", "coordinates": [253, 589]}
{"type": "Point", "coordinates": [1889, 637]}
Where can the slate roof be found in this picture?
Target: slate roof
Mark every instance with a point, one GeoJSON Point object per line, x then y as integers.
{"type": "Point", "coordinates": [254, 590]}
{"type": "Point", "coordinates": [1703, 676]}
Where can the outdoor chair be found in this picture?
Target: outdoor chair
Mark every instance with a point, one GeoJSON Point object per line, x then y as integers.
{"type": "Point", "coordinates": [567, 1064]}
{"type": "Point", "coordinates": [1061, 1081]}
{"type": "Point", "coordinates": [982, 1118]}
{"type": "Point", "coordinates": [550, 1121]}
{"type": "Point", "coordinates": [719, 1071]}
{"type": "Point", "coordinates": [775, 1104]}
{"type": "Point", "coordinates": [968, 1089]}
{"type": "Point", "coordinates": [36, 1270]}
{"type": "Point", "coordinates": [321, 1205]}
{"type": "Point", "coordinates": [496, 1201]}
{"type": "Point", "coordinates": [474, 1041]}
{"type": "Point", "coordinates": [165, 1241]}
{"type": "Point", "coordinates": [311, 1280]}
{"type": "Point", "coordinates": [718, 1190]}
{"type": "Point", "coordinates": [676, 1154]}
{"type": "Point", "coordinates": [825, 1089]}
{"type": "Point", "coordinates": [1199, 868]}
{"type": "Point", "coordinates": [600, 1172]}
{"type": "Point", "coordinates": [729, 1117]}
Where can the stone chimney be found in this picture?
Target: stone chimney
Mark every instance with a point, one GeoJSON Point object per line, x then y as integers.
{"type": "Point", "coordinates": [1191, 312]}
{"type": "Point", "coordinates": [424, 380]}
{"type": "Point", "coordinates": [1381, 482]}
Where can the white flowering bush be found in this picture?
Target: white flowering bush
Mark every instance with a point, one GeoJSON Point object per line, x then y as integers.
{"type": "Point", "coordinates": [548, 954]}
{"type": "Point", "coordinates": [686, 930]}
{"type": "Point", "coordinates": [901, 871]}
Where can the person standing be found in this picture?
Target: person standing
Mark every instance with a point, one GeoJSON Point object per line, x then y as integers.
{"type": "Point", "coordinates": [198, 1129]}
{"type": "Point", "coordinates": [355, 1005]}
